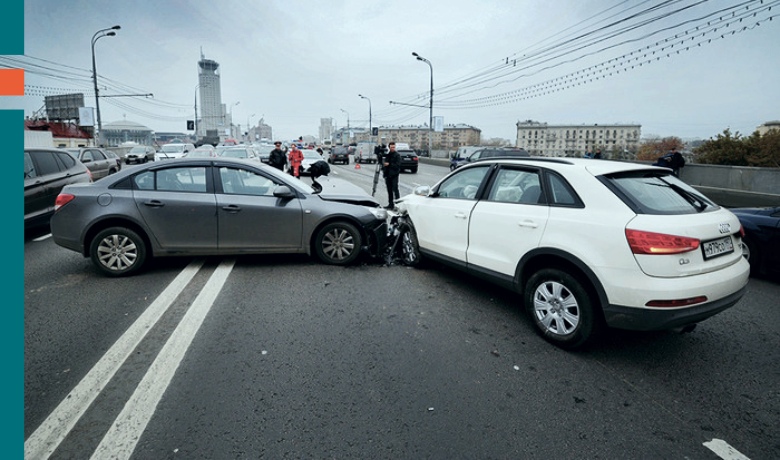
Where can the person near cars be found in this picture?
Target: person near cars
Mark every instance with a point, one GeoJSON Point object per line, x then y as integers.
{"type": "Point", "coordinates": [277, 157]}
{"type": "Point", "coordinates": [672, 160]}
{"type": "Point", "coordinates": [598, 155]}
{"type": "Point", "coordinates": [391, 168]}
{"type": "Point", "coordinates": [296, 158]}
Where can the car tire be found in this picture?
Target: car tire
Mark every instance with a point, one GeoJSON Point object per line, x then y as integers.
{"type": "Point", "coordinates": [111, 171]}
{"type": "Point", "coordinates": [338, 243]}
{"type": "Point", "coordinates": [118, 251]}
{"type": "Point", "coordinates": [414, 171]}
{"type": "Point", "coordinates": [752, 255]}
{"type": "Point", "coordinates": [561, 308]}
{"type": "Point", "coordinates": [410, 248]}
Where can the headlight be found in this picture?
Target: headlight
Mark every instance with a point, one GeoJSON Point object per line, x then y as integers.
{"type": "Point", "coordinates": [379, 213]}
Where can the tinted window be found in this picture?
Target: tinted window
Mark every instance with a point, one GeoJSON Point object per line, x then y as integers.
{"type": "Point", "coordinates": [66, 160]}
{"type": "Point", "coordinates": [562, 193]}
{"type": "Point", "coordinates": [184, 179]}
{"type": "Point", "coordinates": [29, 168]}
{"type": "Point", "coordinates": [47, 164]}
{"type": "Point", "coordinates": [653, 193]}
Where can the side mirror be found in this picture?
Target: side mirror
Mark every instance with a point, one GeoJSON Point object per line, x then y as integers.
{"type": "Point", "coordinates": [283, 191]}
{"type": "Point", "coordinates": [422, 190]}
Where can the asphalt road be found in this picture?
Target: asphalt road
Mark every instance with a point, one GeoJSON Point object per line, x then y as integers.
{"type": "Point", "coordinates": [282, 357]}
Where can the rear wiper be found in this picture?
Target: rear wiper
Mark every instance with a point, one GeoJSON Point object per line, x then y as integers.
{"type": "Point", "coordinates": [699, 204]}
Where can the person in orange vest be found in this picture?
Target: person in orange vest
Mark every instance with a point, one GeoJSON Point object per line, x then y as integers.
{"type": "Point", "coordinates": [296, 158]}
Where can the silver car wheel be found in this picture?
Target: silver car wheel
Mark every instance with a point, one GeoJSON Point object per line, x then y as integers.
{"type": "Point", "coordinates": [556, 308]}
{"type": "Point", "coordinates": [118, 251]}
{"type": "Point", "coordinates": [338, 243]}
{"type": "Point", "coordinates": [410, 250]}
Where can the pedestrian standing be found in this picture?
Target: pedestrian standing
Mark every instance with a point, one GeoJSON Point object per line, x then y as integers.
{"type": "Point", "coordinates": [391, 168]}
{"type": "Point", "coordinates": [296, 158]}
{"type": "Point", "coordinates": [277, 158]}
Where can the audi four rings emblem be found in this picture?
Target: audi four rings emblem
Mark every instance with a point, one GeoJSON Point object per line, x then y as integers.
{"type": "Point", "coordinates": [725, 228]}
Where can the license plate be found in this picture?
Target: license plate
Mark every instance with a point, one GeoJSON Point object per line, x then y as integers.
{"type": "Point", "coordinates": [717, 247]}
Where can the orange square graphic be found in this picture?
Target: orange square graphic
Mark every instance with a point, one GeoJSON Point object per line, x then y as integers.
{"type": "Point", "coordinates": [11, 82]}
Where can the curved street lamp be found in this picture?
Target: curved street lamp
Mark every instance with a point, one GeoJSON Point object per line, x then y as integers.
{"type": "Point", "coordinates": [370, 124]}
{"type": "Point", "coordinates": [98, 35]}
{"type": "Point", "coordinates": [430, 121]}
{"type": "Point", "coordinates": [347, 118]}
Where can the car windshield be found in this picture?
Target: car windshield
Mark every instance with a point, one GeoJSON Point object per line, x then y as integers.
{"type": "Point", "coordinates": [172, 148]}
{"type": "Point", "coordinates": [138, 150]}
{"type": "Point", "coordinates": [235, 153]}
{"type": "Point", "coordinates": [654, 193]}
{"type": "Point", "coordinates": [311, 154]}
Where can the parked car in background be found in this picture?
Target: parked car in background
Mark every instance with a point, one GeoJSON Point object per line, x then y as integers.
{"type": "Point", "coordinates": [46, 172]}
{"type": "Point", "coordinates": [460, 155]}
{"type": "Point", "coordinates": [584, 244]}
{"type": "Point", "coordinates": [409, 160]}
{"type": "Point", "coordinates": [110, 154]}
{"type": "Point", "coordinates": [140, 154]}
{"type": "Point", "coordinates": [264, 152]}
{"type": "Point", "coordinates": [204, 151]}
{"type": "Point", "coordinates": [761, 243]}
{"type": "Point", "coordinates": [487, 153]}
{"type": "Point", "coordinates": [240, 206]}
{"type": "Point", "coordinates": [96, 160]}
{"type": "Point", "coordinates": [309, 158]}
{"type": "Point", "coordinates": [339, 154]}
{"type": "Point", "coordinates": [240, 152]}
{"type": "Point", "coordinates": [174, 150]}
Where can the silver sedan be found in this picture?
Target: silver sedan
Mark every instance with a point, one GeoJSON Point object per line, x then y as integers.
{"type": "Point", "coordinates": [214, 207]}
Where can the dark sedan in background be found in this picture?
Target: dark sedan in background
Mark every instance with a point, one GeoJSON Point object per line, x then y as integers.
{"type": "Point", "coordinates": [46, 172]}
{"type": "Point", "coordinates": [339, 154]}
{"type": "Point", "coordinates": [240, 207]}
{"type": "Point", "coordinates": [761, 244]}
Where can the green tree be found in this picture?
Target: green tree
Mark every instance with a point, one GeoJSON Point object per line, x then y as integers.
{"type": "Point", "coordinates": [725, 149]}
{"type": "Point", "coordinates": [765, 150]}
{"type": "Point", "coordinates": [654, 148]}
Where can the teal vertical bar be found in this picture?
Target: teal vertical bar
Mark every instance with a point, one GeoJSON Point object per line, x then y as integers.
{"type": "Point", "coordinates": [12, 231]}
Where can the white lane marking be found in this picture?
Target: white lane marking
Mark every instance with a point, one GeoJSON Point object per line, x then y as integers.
{"type": "Point", "coordinates": [724, 450]}
{"type": "Point", "coordinates": [48, 436]}
{"type": "Point", "coordinates": [42, 238]}
{"type": "Point", "coordinates": [121, 439]}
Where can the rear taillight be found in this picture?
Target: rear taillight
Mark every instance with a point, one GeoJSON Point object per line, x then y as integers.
{"type": "Point", "coordinates": [741, 231]}
{"type": "Point", "coordinates": [62, 200]}
{"type": "Point", "coordinates": [642, 242]}
{"type": "Point", "coordinates": [89, 173]}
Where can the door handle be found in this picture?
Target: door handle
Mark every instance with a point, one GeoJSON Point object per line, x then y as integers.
{"type": "Point", "coordinates": [154, 204]}
{"type": "Point", "coordinates": [460, 215]}
{"type": "Point", "coordinates": [231, 208]}
{"type": "Point", "coordinates": [528, 223]}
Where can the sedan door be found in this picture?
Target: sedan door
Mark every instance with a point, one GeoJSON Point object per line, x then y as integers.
{"type": "Point", "coordinates": [96, 162]}
{"type": "Point", "coordinates": [178, 207]}
{"type": "Point", "coordinates": [251, 218]}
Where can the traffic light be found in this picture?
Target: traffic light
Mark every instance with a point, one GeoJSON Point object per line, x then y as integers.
{"type": "Point", "coordinates": [375, 131]}
{"type": "Point", "coordinates": [190, 124]}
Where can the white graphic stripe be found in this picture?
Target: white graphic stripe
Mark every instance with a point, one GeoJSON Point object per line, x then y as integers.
{"type": "Point", "coordinates": [724, 450]}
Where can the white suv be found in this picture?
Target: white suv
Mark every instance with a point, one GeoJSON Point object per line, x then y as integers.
{"type": "Point", "coordinates": [586, 243]}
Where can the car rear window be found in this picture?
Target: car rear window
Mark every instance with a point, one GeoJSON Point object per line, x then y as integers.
{"type": "Point", "coordinates": [654, 193]}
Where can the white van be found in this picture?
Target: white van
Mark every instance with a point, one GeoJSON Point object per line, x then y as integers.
{"type": "Point", "coordinates": [364, 152]}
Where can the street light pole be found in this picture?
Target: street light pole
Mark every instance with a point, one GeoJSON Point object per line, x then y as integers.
{"type": "Point", "coordinates": [430, 121]}
{"type": "Point", "coordinates": [247, 127]}
{"type": "Point", "coordinates": [98, 35]}
{"type": "Point", "coordinates": [231, 117]}
{"type": "Point", "coordinates": [370, 124]}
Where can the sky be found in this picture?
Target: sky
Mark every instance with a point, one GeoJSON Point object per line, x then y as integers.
{"type": "Point", "coordinates": [494, 62]}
